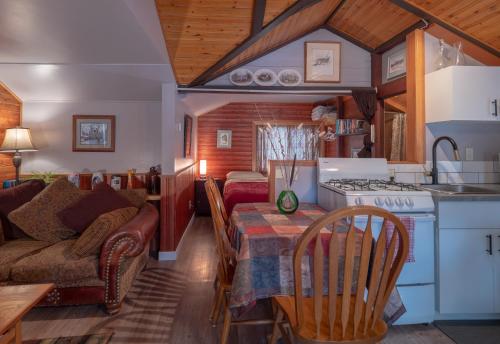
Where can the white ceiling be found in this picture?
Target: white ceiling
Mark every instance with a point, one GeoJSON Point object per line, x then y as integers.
{"type": "Point", "coordinates": [89, 50]}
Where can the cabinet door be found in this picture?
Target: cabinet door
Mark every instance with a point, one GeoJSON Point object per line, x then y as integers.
{"type": "Point", "coordinates": [466, 271]}
{"type": "Point", "coordinates": [496, 253]}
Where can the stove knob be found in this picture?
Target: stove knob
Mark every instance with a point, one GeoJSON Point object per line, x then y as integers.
{"type": "Point", "coordinates": [399, 202]}
{"type": "Point", "coordinates": [358, 201]}
{"type": "Point", "coordinates": [389, 202]}
{"type": "Point", "coordinates": [409, 202]}
{"type": "Point", "coordinates": [379, 202]}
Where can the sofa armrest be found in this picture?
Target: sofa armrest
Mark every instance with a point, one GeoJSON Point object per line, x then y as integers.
{"type": "Point", "coordinates": [128, 241]}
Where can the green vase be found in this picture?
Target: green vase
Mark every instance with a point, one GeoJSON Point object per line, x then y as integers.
{"type": "Point", "coordinates": [287, 202]}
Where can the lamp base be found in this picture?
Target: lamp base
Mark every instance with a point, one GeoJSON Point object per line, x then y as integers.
{"type": "Point", "coordinates": [16, 160]}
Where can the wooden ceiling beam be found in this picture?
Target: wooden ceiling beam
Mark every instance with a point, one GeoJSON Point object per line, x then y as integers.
{"type": "Point", "coordinates": [295, 8]}
{"type": "Point", "coordinates": [400, 37]}
{"type": "Point", "coordinates": [259, 10]}
{"type": "Point", "coordinates": [334, 12]}
{"type": "Point", "coordinates": [433, 19]}
{"type": "Point", "coordinates": [348, 38]}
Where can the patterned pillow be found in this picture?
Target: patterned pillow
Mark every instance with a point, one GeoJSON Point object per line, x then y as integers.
{"type": "Point", "coordinates": [38, 218]}
{"type": "Point", "coordinates": [91, 240]}
{"type": "Point", "coordinates": [135, 196]}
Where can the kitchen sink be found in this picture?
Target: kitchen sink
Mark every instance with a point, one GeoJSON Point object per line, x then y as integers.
{"type": "Point", "coordinates": [458, 189]}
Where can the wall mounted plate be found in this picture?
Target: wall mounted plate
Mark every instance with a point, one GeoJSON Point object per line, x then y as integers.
{"type": "Point", "coordinates": [265, 77]}
{"type": "Point", "coordinates": [289, 77]}
{"type": "Point", "coordinates": [241, 77]}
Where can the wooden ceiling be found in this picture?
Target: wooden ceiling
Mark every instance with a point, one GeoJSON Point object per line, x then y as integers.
{"type": "Point", "coordinates": [207, 38]}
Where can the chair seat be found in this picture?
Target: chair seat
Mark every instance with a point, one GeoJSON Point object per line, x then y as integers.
{"type": "Point", "coordinates": [308, 331]}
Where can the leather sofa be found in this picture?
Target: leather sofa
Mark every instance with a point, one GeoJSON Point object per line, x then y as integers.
{"type": "Point", "coordinates": [103, 279]}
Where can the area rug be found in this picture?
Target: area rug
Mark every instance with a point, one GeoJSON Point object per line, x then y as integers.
{"type": "Point", "coordinates": [101, 338]}
{"type": "Point", "coordinates": [471, 332]}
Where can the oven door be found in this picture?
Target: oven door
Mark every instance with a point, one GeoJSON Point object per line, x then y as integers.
{"type": "Point", "coordinates": [421, 271]}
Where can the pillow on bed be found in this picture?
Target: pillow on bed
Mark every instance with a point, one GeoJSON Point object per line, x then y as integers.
{"type": "Point", "coordinates": [244, 175]}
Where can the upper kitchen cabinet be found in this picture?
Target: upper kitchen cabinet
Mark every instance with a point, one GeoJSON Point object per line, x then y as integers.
{"type": "Point", "coordinates": [463, 93]}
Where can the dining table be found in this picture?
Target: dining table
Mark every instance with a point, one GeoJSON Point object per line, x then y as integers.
{"type": "Point", "coordinates": [264, 240]}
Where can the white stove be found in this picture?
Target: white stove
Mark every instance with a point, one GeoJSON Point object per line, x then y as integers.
{"type": "Point", "coordinates": [367, 182]}
{"type": "Point", "coordinates": [349, 182]}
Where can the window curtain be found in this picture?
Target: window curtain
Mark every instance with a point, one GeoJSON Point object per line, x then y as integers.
{"type": "Point", "coordinates": [398, 137]}
{"type": "Point", "coordinates": [367, 105]}
{"type": "Point", "coordinates": [282, 142]}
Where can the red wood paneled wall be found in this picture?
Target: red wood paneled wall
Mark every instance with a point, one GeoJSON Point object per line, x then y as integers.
{"type": "Point", "coordinates": [239, 118]}
{"type": "Point", "coordinates": [10, 116]}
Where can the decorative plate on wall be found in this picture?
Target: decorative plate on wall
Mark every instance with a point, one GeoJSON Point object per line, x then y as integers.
{"type": "Point", "coordinates": [265, 77]}
{"type": "Point", "coordinates": [241, 77]}
{"type": "Point", "coordinates": [289, 77]}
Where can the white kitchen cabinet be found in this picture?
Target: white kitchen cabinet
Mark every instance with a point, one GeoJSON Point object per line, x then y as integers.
{"type": "Point", "coordinates": [466, 271]}
{"type": "Point", "coordinates": [463, 93]}
{"type": "Point", "coordinates": [468, 259]}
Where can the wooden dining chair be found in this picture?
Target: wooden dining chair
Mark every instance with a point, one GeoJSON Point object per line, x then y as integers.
{"type": "Point", "coordinates": [325, 316]}
{"type": "Point", "coordinates": [226, 266]}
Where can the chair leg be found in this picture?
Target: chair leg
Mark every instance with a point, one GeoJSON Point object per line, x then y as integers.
{"type": "Point", "coordinates": [276, 326]}
{"type": "Point", "coordinates": [218, 303]}
{"type": "Point", "coordinates": [214, 304]}
{"type": "Point", "coordinates": [227, 323]}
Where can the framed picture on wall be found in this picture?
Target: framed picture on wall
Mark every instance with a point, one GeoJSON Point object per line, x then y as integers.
{"type": "Point", "coordinates": [224, 138]}
{"type": "Point", "coordinates": [322, 62]}
{"type": "Point", "coordinates": [188, 135]}
{"type": "Point", "coordinates": [396, 64]}
{"type": "Point", "coordinates": [93, 133]}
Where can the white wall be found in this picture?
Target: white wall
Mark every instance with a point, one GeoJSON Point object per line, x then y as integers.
{"type": "Point", "coordinates": [482, 137]}
{"type": "Point", "coordinates": [180, 111]}
{"type": "Point", "coordinates": [138, 136]}
{"type": "Point", "coordinates": [355, 63]}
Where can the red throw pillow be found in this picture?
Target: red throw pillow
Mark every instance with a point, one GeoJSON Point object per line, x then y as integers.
{"type": "Point", "coordinates": [83, 212]}
{"type": "Point", "coordinates": [13, 198]}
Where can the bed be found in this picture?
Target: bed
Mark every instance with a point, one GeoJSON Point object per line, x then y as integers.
{"type": "Point", "coordinates": [245, 187]}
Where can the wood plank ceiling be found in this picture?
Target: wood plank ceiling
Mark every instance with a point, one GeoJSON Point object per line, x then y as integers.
{"type": "Point", "coordinates": [206, 38]}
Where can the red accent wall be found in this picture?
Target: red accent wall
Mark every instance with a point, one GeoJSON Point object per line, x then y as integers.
{"type": "Point", "coordinates": [10, 116]}
{"type": "Point", "coordinates": [239, 118]}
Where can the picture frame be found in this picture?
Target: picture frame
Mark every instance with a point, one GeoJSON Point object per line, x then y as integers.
{"type": "Point", "coordinates": [94, 133]}
{"type": "Point", "coordinates": [188, 136]}
{"type": "Point", "coordinates": [224, 138]}
{"type": "Point", "coordinates": [322, 62]}
{"type": "Point", "coordinates": [396, 64]}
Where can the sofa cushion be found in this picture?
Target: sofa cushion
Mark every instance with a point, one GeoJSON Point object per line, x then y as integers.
{"type": "Point", "coordinates": [13, 198]}
{"type": "Point", "coordinates": [135, 196]}
{"type": "Point", "coordinates": [55, 264]}
{"type": "Point", "coordinates": [14, 250]}
{"type": "Point", "coordinates": [38, 218]}
{"type": "Point", "coordinates": [83, 212]}
{"type": "Point", "coordinates": [90, 242]}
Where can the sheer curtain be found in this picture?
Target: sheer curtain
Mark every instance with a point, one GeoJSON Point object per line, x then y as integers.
{"type": "Point", "coordinates": [286, 141]}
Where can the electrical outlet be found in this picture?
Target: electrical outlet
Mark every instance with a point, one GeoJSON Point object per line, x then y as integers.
{"type": "Point", "coordinates": [469, 153]}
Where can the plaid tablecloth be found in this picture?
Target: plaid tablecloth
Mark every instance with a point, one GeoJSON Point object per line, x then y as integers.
{"type": "Point", "coordinates": [265, 241]}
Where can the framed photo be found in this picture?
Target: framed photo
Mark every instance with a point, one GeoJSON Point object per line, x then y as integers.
{"type": "Point", "coordinates": [322, 62]}
{"type": "Point", "coordinates": [224, 138]}
{"type": "Point", "coordinates": [188, 134]}
{"type": "Point", "coordinates": [396, 64]}
{"type": "Point", "coordinates": [93, 133]}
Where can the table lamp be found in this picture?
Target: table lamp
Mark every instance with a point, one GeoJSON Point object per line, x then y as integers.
{"type": "Point", "coordinates": [17, 140]}
{"type": "Point", "coordinates": [203, 169]}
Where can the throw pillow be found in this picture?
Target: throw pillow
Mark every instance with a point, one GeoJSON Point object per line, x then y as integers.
{"type": "Point", "coordinates": [135, 196]}
{"type": "Point", "coordinates": [90, 242]}
{"type": "Point", "coordinates": [38, 218]}
{"type": "Point", "coordinates": [82, 213]}
{"type": "Point", "coordinates": [13, 198]}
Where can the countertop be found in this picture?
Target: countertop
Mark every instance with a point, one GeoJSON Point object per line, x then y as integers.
{"type": "Point", "coordinates": [444, 196]}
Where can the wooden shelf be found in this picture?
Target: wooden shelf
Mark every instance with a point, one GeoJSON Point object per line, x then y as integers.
{"type": "Point", "coordinates": [150, 197]}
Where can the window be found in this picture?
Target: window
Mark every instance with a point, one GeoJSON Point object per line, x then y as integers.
{"type": "Point", "coordinates": [284, 141]}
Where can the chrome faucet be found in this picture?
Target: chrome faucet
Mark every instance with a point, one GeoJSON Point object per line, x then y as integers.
{"type": "Point", "coordinates": [456, 153]}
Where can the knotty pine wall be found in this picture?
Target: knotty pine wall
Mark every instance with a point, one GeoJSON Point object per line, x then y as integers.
{"type": "Point", "coordinates": [239, 117]}
{"type": "Point", "coordinates": [10, 116]}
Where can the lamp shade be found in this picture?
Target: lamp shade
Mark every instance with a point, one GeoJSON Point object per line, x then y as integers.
{"type": "Point", "coordinates": [203, 167]}
{"type": "Point", "coordinates": [17, 140]}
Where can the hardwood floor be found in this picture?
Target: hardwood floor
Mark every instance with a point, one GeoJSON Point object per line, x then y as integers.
{"type": "Point", "coordinates": [183, 287]}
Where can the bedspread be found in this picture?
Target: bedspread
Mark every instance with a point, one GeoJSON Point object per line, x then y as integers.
{"type": "Point", "coordinates": [239, 191]}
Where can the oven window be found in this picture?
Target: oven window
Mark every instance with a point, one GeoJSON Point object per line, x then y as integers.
{"type": "Point", "coordinates": [283, 142]}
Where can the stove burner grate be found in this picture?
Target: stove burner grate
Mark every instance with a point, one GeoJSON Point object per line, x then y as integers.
{"type": "Point", "coordinates": [370, 185]}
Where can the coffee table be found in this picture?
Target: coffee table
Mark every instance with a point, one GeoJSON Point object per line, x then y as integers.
{"type": "Point", "coordinates": [15, 302]}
